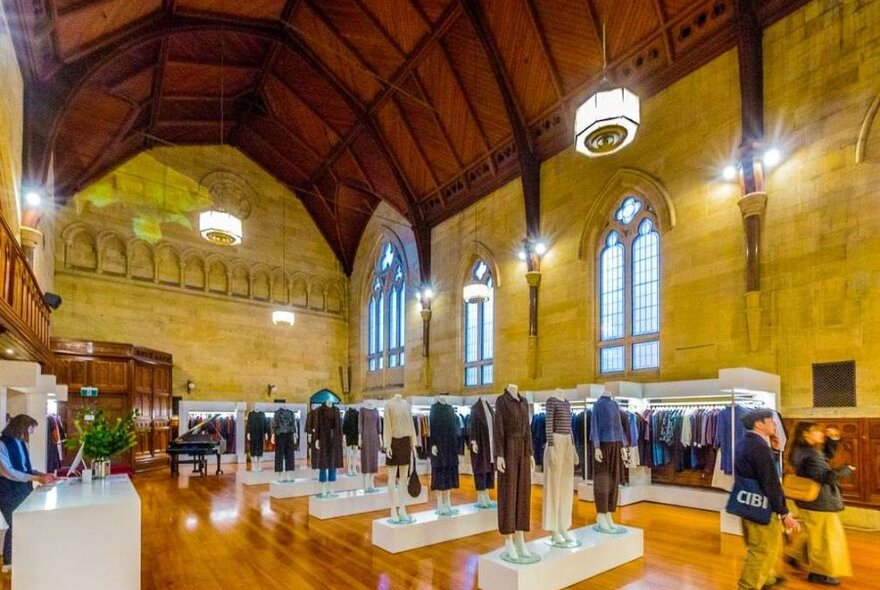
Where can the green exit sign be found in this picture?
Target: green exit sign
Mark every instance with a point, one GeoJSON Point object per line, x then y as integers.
{"type": "Point", "coordinates": [88, 392]}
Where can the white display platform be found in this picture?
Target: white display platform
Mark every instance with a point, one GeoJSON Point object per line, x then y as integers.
{"type": "Point", "coordinates": [255, 478]}
{"type": "Point", "coordinates": [311, 486]}
{"type": "Point", "coordinates": [626, 495]}
{"type": "Point", "coordinates": [358, 502]}
{"type": "Point", "coordinates": [559, 568]}
{"type": "Point", "coordinates": [60, 531]}
{"type": "Point", "coordinates": [731, 524]}
{"type": "Point", "coordinates": [429, 528]}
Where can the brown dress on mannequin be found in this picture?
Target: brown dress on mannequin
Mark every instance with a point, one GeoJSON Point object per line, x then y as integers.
{"type": "Point", "coordinates": [513, 441]}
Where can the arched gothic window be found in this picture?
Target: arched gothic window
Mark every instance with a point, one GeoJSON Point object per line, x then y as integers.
{"type": "Point", "coordinates": [479, 334]}
{"type": "Point", "coordinates": [386, 312]}
{"type": "Point", "coordinates": [629, 290]}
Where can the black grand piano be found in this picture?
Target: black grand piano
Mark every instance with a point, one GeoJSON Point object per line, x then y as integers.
{"type": "Point", "coordinates": [196, 444]}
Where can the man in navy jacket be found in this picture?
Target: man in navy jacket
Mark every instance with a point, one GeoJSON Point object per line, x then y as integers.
{"type": "Point", "coordinates": [754, 460]}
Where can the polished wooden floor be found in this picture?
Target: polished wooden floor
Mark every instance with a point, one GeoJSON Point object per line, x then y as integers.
{"type": "Point", "coordinates": [207, 532]}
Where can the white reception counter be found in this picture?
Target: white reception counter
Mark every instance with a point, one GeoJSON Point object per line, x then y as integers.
{"type": "Point", "coordinates": [77, 536]}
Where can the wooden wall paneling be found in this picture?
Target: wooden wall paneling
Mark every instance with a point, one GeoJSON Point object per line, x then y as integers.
{"type": "Point", "coordinates": [110, 376]}
{"type": "Point", "coordinates": [850, 452]}
{"type": "Point", "coordinates": [871, 463]}
{"type": "Point", "coordinates": [71, 372]}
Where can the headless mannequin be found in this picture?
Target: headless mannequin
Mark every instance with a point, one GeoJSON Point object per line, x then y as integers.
{"type": "Point", "coordinates": [483, 500]}
{"type": "Point", "coordinates": [560, 536]}
{"type": "Point", "coordinates": [397, 484]}
{"type": "Point", "coordinates": [444, 498]}
{"type": "Point", "coordinates": [604, 522]}
{"type": "Point", "coordinates": [369, 478]}
{"type": "Point", "coordinates": [515, 544]}
{"type": "Point", "coordinates": [325, 485]}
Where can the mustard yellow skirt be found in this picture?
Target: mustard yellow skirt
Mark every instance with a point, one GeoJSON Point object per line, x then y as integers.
{"type": "Point", "coordinates": [822, 544]}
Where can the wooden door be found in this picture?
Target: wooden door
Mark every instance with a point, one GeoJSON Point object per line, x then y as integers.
{"type": "Point", "coordinates": [109, 376]}
{"type": "Point", "coordinates": [849, 453]}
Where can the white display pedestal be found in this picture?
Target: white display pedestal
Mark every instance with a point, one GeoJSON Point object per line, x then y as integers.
{"type": "Point", "coordinates": [731, 524]}
{"type": "Point", "coordinates": [358, 502]}
{"type": "Point", "coordinates": [559, 568]}
{"type": "Point", "coordinates": [255, 478]}
{"type": "Point", "coordinates": [311, 486]}
{"type": "Point", "coordinates": [429, 528]}
{"type": "Point", "coordinates": [626, 495]}
{"type": "Point", "coordinates": [61, 529]}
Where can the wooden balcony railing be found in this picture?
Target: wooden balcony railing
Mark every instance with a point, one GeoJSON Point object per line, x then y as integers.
{"type": "Point", "coordinates": [23, 313]}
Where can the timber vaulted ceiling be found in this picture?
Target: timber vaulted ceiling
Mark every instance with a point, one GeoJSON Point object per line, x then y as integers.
{"type": "Point", "coordinates": [347, 102]}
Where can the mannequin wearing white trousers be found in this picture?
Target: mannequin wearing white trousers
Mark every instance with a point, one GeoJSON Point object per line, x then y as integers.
{"type": "Point", "coordinates": [560, 458]}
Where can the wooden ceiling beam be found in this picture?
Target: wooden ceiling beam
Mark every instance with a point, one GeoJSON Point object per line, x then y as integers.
{"type": "Point", "coordinates": [378, 25]}
{"type": "Point", "coordinates": [664, 27]}
{"type": "Point", "coordinates": [415, 58]}
{"type": "Point", "coordinates": [529, 162]}
{"type": "Point", "coordinates": [268, 145]}
{"type": "Point", "coordinates": [362, 171]}
{"type": "Point", "coordinates": [472, 111]}
{"type": "Point", "coordinates": [535, 19]}
{"type": "Point", "coordinates": [415, 141]}
{"type": "Point", "coordinates": [158, 83]}
{"type": "Point", "coordinates": [443, 130]}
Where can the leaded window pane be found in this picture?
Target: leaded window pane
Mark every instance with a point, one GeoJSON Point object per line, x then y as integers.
{"type": "Point", "coordinates": [611, 289]}
{"type": "Point", "coordinates": [611, 359]}
{"type": "Point", "coordinates": [646, 355]}
{"type": "Point", "coordinates": [646, 280]}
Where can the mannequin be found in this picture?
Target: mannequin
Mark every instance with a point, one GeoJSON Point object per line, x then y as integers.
{"type": "Point", "coordinates": [560, 458]}
{"type": "Point", "coordinates": [328, 443]}
{"type": "Point", "coordinates": [444, 454]}
{"type": "Point", "coordinates": [606, 433]}
{"type": "Point", "coordinates": [368, 442]}
{"type": "Point", "coordinates": [257, 433]}
{"type": "Point", "coordinates": [483, 451]}
{"type": "Point", "coordinates": [399, 439]}
{"type": "Point", "coordinates": [350, 431]}
{"type": "Point", "coordinates": [513, 443]}
{"type": "Point", "coordinates": [286, 439]}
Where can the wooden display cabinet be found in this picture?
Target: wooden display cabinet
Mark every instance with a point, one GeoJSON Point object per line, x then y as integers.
{"type": "Point", "coordinates": [127, 377]}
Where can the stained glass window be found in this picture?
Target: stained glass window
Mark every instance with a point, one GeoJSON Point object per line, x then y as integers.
{"type": "Point", "coordinates": [629, 290]}
{"type": "Point", "coordinates": [386, 324]}
{"type": "Point", "coordinates": [479, 331]}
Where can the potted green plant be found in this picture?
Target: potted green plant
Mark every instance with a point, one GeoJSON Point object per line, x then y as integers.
{"type": "Point", "coordinates": [101, 438]}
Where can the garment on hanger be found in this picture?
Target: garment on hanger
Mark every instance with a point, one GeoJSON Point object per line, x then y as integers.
{"type": "Point", "coordinates": [513, 441]}
{"type": "Point", "coordinates": [54, 443]}
{"type": "Point", "coordinates": [328, 432]}
{"type": "Point", "coordinates": [539, 436]}
{"type": "Point", "coordinates": [350, 427]}
{"type": "Point", "coordinates": [558, 466]}
{"type": "Point", "coordinates": [481, 432]}
{"type": "Point", "coordinates": [369, 429]}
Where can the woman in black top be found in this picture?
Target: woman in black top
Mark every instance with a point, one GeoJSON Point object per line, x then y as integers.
{"type": "Point", "coordinates": [823, 543]}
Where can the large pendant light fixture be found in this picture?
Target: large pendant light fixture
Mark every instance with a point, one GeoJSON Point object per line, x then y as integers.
{"type": "Point", "coordinates": [475, 291]}
{"type": "Point", "coordinates": [608, 120]}
{"type": "Point", "coordinates": [283, 316]}
{"type": "Point", "coordinates": [218, 225]}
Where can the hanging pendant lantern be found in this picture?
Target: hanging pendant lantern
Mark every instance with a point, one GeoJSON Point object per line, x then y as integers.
{"type": "Point", "coordinates": [607, 122]}
{"type": "Point", "coordinates": [476, 293]}
{"type": "Point", "coordinates": [220, 227]}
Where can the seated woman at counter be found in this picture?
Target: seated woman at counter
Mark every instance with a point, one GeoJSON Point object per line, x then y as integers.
{"type": "Point", "coordinates": [16, 474]}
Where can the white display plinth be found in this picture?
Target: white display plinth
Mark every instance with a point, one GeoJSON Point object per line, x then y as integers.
{"type": "Point", "coordinates": [626, 495]}
{"type": "Point", "coordinates": [311, 486]}
{"type": "Point", "coordinates": [255, 478]}
{"type": "Point", "coordinates": [358, 502]}
{"type": "Point", "coordinates": [60, 531]}
{"type": "Point", "coordinates": [559, 568]}
{"type": "Point", "coordinates": [429, 528]}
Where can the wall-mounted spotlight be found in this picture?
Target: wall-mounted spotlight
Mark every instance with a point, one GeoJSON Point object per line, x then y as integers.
{"type": "Point", "coordinates": [190, 385]}
{"type": "Point", "coordinates": [33, 198]}
{"type": "Point", "coordinates": [729, 173]}
{"type": "Point", "coordinates": [271, 389]}
{"type": "Point", "coordinates": [772, 157]}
